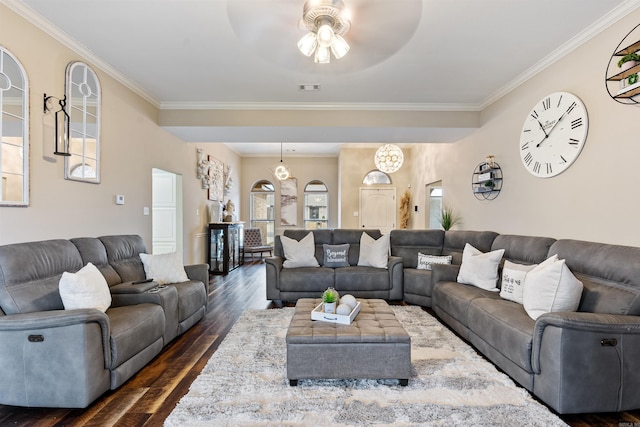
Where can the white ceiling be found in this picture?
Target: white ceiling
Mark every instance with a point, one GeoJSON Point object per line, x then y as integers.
{"type": "Point", "coordinates": [408, 55]}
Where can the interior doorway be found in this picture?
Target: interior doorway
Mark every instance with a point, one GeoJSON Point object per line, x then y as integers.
{"type": "Point", "coordinates": [378, 209]}
{"type": "Point", "coordinates": [166, 209]}
{"type": "Point", "coordinates": [433, 202]}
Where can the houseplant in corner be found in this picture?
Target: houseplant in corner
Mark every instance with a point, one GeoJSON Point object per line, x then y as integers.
{"type": "Point", "coordinates": [449, 218]}
{"type": "Point", "coordinates": [329, 298]}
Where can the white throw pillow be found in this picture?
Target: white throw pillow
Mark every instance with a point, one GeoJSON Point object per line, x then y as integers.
{"type": "Point", "coordinates": [87, 288]}
{"type": "Point", "coordinates": [513, 276]}
{"type": "Point", "coordinates": [299, 253]}
{"type": "Point", "coordinates": [425, 261]}
{"type": "Point", "coordinates": [549, 287]}
{"type": "Point", "coordinates": [480, 269]}
{"type": "Point", "coordinates": [374, 253]}
{"type": "Point", "coordinates": [164, 268]}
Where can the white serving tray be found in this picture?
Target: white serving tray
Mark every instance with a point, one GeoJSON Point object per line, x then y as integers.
{"type": "Point", "coordinates": [319, 314]}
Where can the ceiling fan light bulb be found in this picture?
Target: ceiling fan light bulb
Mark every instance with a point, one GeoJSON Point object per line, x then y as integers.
{"type": "Point", "coordinates": [339, 47]}
{"type": "Point", "coordinates": [323, 55]}
{"type": "Point", "coordinates": [307, 44]}
{"type": "Point", "coordinates": [325, 35]}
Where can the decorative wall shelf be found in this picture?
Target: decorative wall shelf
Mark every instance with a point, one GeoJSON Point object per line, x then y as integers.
{"type": "Point", "coordinates": [486, 181]}
{"type": "Point", "coordinates": [622, 84]}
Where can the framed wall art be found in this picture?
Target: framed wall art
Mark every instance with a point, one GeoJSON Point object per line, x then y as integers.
{"type": "Point", "coordinates": [289, 202]}
{"type": "Point", "coordinates": [216, 179]}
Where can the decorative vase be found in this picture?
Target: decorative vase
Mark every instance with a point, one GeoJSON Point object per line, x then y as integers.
{"type": "Point", "coordinates": [330, 307]}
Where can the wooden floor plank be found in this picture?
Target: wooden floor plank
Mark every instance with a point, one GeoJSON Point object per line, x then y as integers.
{"type": "Point", "coordinates": [148, 398]}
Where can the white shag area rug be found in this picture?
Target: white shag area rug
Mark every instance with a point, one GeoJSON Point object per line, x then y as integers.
{"type": "Point", "coordinates": [245, 384]}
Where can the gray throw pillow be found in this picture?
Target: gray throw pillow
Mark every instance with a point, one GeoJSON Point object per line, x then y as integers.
{"type": "Point", "coordinates": [336, 255]}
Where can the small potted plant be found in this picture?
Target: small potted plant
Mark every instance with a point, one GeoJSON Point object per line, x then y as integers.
{"type": "Point", "coordinates": [329, 298]}
{"type": "Point", "coordinates": [448, 218]}
{"type": "Point", "coordinates": [628, 61]}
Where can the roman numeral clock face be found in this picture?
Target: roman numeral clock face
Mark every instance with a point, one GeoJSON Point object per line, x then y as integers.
{"type": "Point", "coordinates": [553, 134]}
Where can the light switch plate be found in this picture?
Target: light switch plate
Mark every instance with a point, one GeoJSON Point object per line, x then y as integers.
{"type": "Point", "coordinates": [119, 199]}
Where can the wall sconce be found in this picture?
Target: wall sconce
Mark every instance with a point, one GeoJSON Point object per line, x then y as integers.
{"type": "Point", "coordinates": [62, 125]}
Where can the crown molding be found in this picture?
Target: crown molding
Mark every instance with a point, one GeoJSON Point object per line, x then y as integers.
{"type": "Point", "coordinates": [46, 26]}
{"type": "Point", "coordinates": [325, 106]}
{"type": "Point", "coordinates": [69, 42]}
{"type": "Point", "coordinates": [578, 40]}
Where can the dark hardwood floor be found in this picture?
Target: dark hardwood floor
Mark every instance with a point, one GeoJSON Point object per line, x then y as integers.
{"type": "Point", "coordinates": [150, 396]}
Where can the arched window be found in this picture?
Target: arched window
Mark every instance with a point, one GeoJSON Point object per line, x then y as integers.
{"type": "Point", "coordinates": [263, 209]}
{"type": "Point", "coordinates": [376, 177]}
{"type": "Point", "coordinates": [316, 205]}
{"type": "Point", "coordinates": [14, 132]}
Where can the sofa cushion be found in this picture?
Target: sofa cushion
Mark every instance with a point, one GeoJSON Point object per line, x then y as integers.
{"type": "Point", "coordinates": [455, 241]}
{"type": "Point", "coordinates": [299, 253]}
{"type": "Point", "coordinates": [164, 268]}
{"type": "Point", "coordinates": [93, 251]}
{"type": "Point", "coordinates": [374, 253]}
{"type": "Point", "coordinates": [610, 275]}
{"type": "Point", "coordinates": [352, 237]}
{"type": "Point", "coordinates": [407, 243]}
{"type": "Point", "coordinates": [85, 289]}
{"type": "Point", "coordinates": [306, 279]}
{"type": "Point", "coordinates": [320, 237]}
{"type": "Point", "coordinates": [480, 269]}
{"type": "Point", "coordinates": [191, 297]}
{"type": "Point", "coordinates": [550, 287]}
{"type": "Point", "coordinates": [512, 284]}
{"type": "Point", "coordinates": [30, 274]}
{"type": "Point", "coordinates": [133, 328]}
{"type": "Point", "coordinates": [505, 326]}
{"type": "Point", "coordinates": [417, 282]}
{"type": "Point", "coordinates": [336, 256]}
{"type": "Point", "coordinates": [123, 254]}
{"type": "Point", "coordinates": [454, 298]}
{"type": "Point", "coordinates": [425, 261]}
{"type": "Point", "coordinates": [358, 278]}
{"type": "Point", "coordinates": [523, 249]}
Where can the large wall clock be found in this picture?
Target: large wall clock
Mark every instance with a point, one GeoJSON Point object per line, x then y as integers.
{"type": "Point", "coordinates": [553, 134]}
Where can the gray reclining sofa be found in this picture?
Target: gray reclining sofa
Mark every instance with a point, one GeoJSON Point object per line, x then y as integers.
{"type": "Point", "coordinates": [576, 362]}
{"type": "Point", "coordinates": [52, 357]}
{"type": "Point", "coordinates": [289, 284]}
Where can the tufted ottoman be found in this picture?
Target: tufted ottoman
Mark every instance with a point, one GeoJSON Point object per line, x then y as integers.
{"type": "Point", "coordinates": [375, 345]}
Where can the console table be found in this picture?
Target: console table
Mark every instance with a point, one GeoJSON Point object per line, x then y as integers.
{"type": "Point", "coordinates": [225, 246]}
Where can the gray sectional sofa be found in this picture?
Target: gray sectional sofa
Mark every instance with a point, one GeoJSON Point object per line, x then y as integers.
{"type": "Point", "coordinates": [576, 362]}
{"type": "Point", "coordinates": [289, 284]}
{"type": "Point", "coordinates": [52, 357]}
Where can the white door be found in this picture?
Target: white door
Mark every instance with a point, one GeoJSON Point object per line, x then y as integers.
{"type": "Point", "coordinates": [166, 210]}
{"type": "Point", "coordinates": [378, 209]}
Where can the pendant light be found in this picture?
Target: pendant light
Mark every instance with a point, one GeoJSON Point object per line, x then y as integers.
{"type": "Point", "coordinates": [281, 172]}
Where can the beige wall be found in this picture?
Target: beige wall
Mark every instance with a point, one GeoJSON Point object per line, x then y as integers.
{"type": "Point", "coordinates": [355, 163]}
{"type": "Point", "coordinates": [132, 144]}
{"type": "Point", "coordinates": [304, 169]}
{"type": "Point", "coordinates": [595, 199]}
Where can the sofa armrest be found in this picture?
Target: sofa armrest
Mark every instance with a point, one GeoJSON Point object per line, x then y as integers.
{"type": "Point", "coordinates": [396, 278]}
{"type": "Point", "coordinates": [41, 322]}
{"type": "Point", "coordinates": [606, 325]}
{"type": "Point", "coordinates": [273, 267]}
{"type": "Point", "coordinates": [199, 272]}
{"type": "Point", "coordinates": [587, 362]}
{"type": "Point", "coordinates": [444, 273]}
